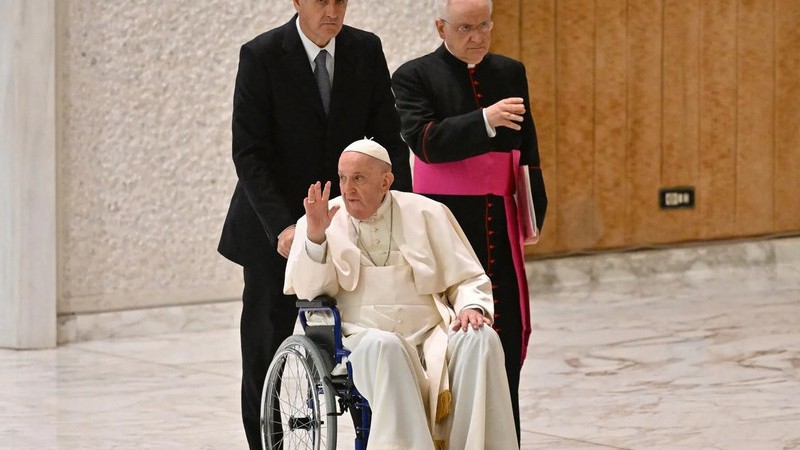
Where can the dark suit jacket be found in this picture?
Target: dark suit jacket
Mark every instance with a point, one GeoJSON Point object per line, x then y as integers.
{"type": "Point", "coordinates": [282, 140]}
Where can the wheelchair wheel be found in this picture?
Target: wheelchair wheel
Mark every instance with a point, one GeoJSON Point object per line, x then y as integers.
{"type": "Point", "coordinates": [298, 408]}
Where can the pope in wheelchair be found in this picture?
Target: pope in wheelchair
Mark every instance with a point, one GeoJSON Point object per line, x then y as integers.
{"type": "Point", "coordinates": [416, 309]}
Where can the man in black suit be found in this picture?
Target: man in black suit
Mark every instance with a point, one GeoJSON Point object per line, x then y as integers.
{"type": "Point", "coordinates": [294, 111]}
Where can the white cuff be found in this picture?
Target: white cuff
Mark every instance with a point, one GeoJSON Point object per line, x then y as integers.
{"type": "Point", "coordinates": [316, 252]}
{"type": "Point", "coordinates": [489, 130]}
{"type": "Point", "coordinates": [478, 307]}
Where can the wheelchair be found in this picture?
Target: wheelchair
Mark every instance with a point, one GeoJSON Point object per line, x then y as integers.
{"type": "Point", "coordinates": [302, 400]}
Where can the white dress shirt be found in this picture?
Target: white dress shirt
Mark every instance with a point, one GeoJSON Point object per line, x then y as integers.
{"type": "Point", "coordinates": [312, 50]}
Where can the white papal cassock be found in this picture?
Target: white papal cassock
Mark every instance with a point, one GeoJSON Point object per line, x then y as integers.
{"type": "Point", "coordinates": [399, 278]}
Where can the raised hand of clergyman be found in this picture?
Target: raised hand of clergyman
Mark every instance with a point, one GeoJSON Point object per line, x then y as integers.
{"type": "Point", "coordinates": [318, 215]}
{"type": "Point", "coordinates": [506, 113]}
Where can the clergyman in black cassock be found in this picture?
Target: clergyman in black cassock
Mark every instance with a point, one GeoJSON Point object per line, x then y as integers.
{"type": "Point", "coordinates": [465, 113]}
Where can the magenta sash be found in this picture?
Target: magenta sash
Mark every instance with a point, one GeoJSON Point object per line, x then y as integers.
{"type": "Point", "coordinates": [490, 173]}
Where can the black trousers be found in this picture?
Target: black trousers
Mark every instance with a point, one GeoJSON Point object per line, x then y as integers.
{"type": "Point", "coordinates": [268, 317]}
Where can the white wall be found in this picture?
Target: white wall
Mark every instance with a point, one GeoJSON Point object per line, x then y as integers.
{"type": "Point", "coordinates": [27, 174]}
{"type": "Point", "coordinates": [144, 169]}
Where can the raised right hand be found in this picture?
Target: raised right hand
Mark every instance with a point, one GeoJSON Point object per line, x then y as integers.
{"type": "Point", "coordinates": [318, 215]}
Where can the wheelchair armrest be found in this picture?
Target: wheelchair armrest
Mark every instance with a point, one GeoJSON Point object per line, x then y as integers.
{"type": "Point", "coordinates": [321, 301]}
{"type": "Point", "coordinates": [329, 337]}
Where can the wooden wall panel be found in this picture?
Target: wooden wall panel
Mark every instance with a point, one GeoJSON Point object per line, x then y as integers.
{"type": "Point", "coordinates": [538, 43]}
{"type": "Point", "coordinates": [680, 110]}
{"type": "Point", "coordinates": [575, 122]}
{"type": "Point", "coordinates": [633, 95]}
{"type": "Point", "coordinates": [505, 34]}
{"type": "Point", "coordinates": [787, 117]}
{"type": "Point", "coordinates": [755, 130]}
{"type": "Point", "coordinates": [716, 180]}
{"type": "Point", "coordinates": [610, 194]}
{"type": "Point", "coordinates": [643, 166]}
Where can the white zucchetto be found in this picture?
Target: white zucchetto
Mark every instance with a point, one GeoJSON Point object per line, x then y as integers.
{"type": "Point", "coordinates": [371, 148]}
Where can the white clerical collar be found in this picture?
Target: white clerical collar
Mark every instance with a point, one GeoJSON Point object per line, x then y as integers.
{"type": "Point", "coordinates": [469, 65]}
{"type": "Point", "coordinates": [382, 210]}
{"type": "Point", "coordinates": [312, 50]}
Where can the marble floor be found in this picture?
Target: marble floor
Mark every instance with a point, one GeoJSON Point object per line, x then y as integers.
{"type": "Point", "coordinates": [693, 360]}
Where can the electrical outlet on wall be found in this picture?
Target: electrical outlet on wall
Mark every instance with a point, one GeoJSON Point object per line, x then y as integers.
{"type": "Point", "coordinates": [676, 197]}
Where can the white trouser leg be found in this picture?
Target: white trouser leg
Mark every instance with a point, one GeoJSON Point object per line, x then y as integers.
{"type": "Point", "coordinates": [388, 373]}
{"type": "Point", "coordinates": [481, 416]}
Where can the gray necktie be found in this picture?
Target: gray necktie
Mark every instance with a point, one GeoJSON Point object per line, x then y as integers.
{"type": "Point", "coordinates": [323, 79]}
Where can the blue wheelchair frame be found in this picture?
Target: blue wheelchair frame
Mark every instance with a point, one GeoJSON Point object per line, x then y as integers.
{"type": "Point", "coordinates": [348, 396]}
